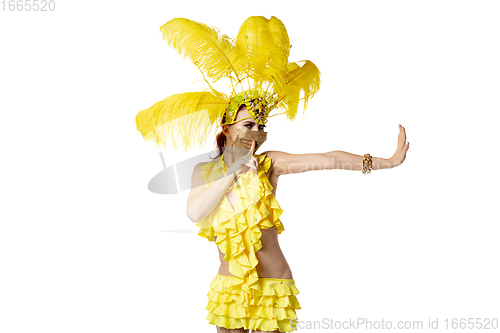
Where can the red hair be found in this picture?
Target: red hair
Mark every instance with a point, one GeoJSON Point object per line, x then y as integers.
{"type": "Point", "coordinates": [221, 138]}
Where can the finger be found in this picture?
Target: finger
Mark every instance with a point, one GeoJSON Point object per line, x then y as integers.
{"type": "Point", "coordinates": [252, 148]}
{"type": "Point", "coordinates": [246, 142]}
{"type": "Point", "coordinates": [402, 133]}
{"type": "Point", "coordinates": [249, 152]}
{"type": "Point", "coordinates": [401, 138]}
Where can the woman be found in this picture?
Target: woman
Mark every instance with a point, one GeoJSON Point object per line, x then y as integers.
{"type": "Point", "coordinates": [271, 266]}
{"type": "Point", "coordinates": [233, 199]}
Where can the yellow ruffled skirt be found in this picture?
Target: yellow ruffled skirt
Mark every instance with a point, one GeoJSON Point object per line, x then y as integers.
{"type": "Point", "coordinates": [271, 310]}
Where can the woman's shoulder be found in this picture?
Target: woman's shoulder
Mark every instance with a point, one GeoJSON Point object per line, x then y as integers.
{"type": "Point", "coordinates": [273, 154]}
{"type": "Point", "coordinates": [266, 159]}
{"type": "Point", "coordinates": [268, 153]}
{"type": "Point", "coordinates": [206, 171]}
{"type": "Point", "coordinates": [208, 167]}
{"type": "Point", "coordinates": [277, 156]}
{"type": "Point", "coordinates": [205, 165]}
{"type": "Point", "coordinates": [203, 168]}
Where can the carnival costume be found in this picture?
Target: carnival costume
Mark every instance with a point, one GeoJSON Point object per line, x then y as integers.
{"type": "Point", "coordinates": [256, 67]}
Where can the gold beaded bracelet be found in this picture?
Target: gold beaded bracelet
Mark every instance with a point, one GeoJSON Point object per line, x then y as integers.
{"type": "Point", "coordinates": [367, 164]}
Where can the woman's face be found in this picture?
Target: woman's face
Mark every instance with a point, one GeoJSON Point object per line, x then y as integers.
{"type": "Point", "coordinates": [248, 123]}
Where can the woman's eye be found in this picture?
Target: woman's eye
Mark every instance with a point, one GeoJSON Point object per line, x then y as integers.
{"type": "Point", "coordinates": [250, 126]}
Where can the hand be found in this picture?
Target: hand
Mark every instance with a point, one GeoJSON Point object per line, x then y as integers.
{"type": "Point", "coordinates": [245, 163]}
{"type": "Point", "coordinates": [244, 138]}
{"type": "Point", "coordinates": [247, 144]}
{"type": "Point", "coordinates": [243, 141]}
{"type": "Point", "coordinates": [400, 154]}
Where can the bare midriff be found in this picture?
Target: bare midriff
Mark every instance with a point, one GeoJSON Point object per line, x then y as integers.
{"type": "Point", "coordinates": [272, 262]}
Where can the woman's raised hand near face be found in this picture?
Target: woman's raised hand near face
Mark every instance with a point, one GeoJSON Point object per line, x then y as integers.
{"type": "Point", "coordinates": [246, 162]}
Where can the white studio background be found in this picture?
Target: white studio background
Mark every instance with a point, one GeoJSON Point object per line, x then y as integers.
{"type": "Point", "coordinates": [85, 247]}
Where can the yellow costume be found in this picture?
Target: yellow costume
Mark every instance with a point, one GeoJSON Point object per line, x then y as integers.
{"type": "Point", "coordinates": [245, 300]}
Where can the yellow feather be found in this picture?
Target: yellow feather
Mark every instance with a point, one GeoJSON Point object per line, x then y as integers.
{"type": "Point", "coordinates": [264, 46]}
{"type": "Point", "coordinates": [260, 53]}
{"type": "Point", "coordinates": [305, 79]}
{"type": "Point", "coordinates": [183, 118]}
{"type": "Point", "coordinates": [203, 45]}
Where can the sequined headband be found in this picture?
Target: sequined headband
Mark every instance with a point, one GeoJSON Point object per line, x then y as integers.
{"type": "Point", "coordinates": [258, 103]}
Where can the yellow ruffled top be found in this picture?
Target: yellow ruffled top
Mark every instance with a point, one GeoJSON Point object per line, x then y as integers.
{"type": "Point", "coordinates": [238, 231]}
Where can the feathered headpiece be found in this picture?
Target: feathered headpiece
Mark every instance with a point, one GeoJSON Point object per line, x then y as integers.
{"type": "Point", "coordinates": [257, 67]}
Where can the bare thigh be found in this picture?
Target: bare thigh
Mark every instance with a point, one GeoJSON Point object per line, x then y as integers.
{"type": "Point", "coordinates": [232, 330]}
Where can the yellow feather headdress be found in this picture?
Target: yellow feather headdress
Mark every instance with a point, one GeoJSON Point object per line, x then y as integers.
{"type": "Point", "coordinates": [256, 66]}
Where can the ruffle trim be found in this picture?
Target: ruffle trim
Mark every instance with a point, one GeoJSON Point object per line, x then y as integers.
{"type": "Point", "coordinates": [238, 231]}
{"type": "Point", "coordinates": [272, 309]}
{"type": "Point", "coordinates": [254, 191]}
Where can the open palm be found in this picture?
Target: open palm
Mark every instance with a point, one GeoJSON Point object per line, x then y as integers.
{"type": "Point", "coordinates": [400, 154]}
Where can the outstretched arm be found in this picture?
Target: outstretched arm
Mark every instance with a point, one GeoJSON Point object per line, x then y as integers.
{"type": "Point", "coordinates": [284, 163]}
